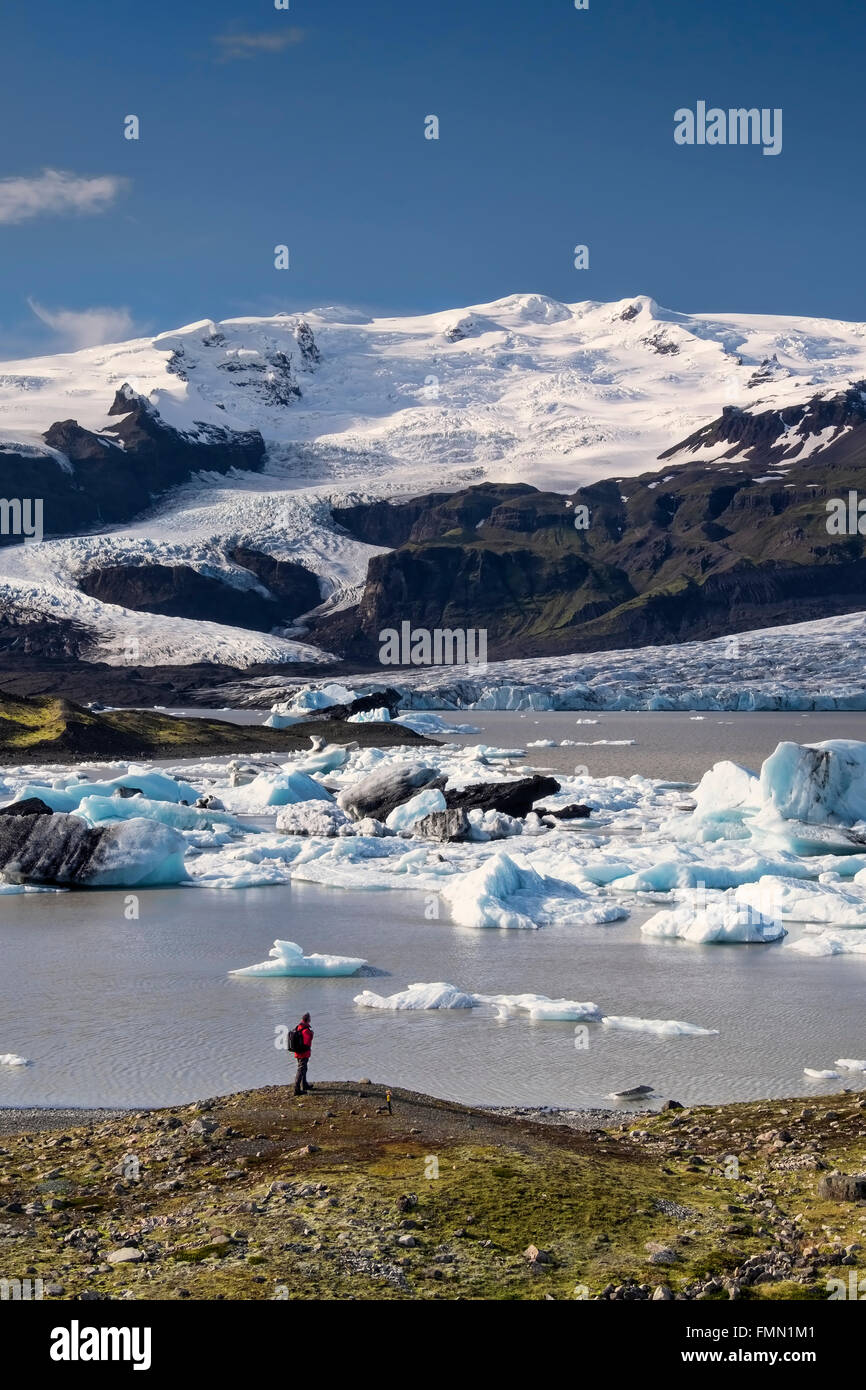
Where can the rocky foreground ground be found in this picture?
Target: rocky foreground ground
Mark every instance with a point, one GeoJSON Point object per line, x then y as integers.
{"type": "Point", "coordinates": [263, 1195]}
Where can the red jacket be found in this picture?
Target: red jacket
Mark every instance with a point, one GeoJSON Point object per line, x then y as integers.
{"type": "Point", "coordinates": [307, 1035]}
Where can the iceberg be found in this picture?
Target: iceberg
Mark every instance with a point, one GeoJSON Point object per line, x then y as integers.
{"type": "Point", "coordinates": [420, 996]}
{"type": "Point", "coordinates": [288, 959]}
{"type": "Point", "coordinates": [11, 1059]}
{"type": "Point", "coordinates": [480, 898]}
{"type": "Point", "coordinates": [477, 899]}
{"type": "Point", "coordinates": [851, 1063]}
{"type": "Point", "coordinates": [818, 1075]}
{"type": "Point", "coordinates": [137, 854]}
{"type": "Point", "coordinates": [64, 850]}
{"type": "Point", "coordinates": [723, 919]}
{"type": "Point", "coordinates": [817, 783]}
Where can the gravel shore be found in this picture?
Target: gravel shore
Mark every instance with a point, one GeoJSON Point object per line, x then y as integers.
{"type": "Point", "coordinates": [28, 1119]}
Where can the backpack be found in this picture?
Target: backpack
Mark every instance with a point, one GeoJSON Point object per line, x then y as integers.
{"type": "Point", "coordinates": [296, 1040]}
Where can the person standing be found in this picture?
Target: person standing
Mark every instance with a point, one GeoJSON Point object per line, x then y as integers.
{"type": "Point", "coordinates": [302, 1043]}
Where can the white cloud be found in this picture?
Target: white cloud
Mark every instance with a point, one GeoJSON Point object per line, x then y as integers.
{"type": "Point", "coordinates": [55, 192]}
{"type": "Point", "coordinates": [82, 328]}
{"type": "Point", "coordinates": [252, 45]}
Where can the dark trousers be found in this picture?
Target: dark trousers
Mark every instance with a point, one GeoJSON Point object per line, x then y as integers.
{"type": "Point", "coordinates": [301, 1076]}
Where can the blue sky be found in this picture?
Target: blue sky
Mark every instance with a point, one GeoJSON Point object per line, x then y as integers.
{"type": "Point", "coordinates": [306, 127]}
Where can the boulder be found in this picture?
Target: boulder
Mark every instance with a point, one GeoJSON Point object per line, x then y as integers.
{"type": "Point", "coordinates": [843, 1187]}
{"type": "Point", "coordinates": [515, 798]}
{"type": "Point", "coordinates": [377, 795]}
{"type": "Point", "coordinates": [448, 827]}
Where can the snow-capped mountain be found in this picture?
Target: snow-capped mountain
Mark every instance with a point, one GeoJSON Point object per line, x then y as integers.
{"type": "Point", "coordinates": [343, 407]}
{"type": "Point", "coordinates": [522, 389]}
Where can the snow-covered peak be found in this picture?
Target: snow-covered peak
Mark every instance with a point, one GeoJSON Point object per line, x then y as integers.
{"type": "Point", "coordinates": [524, 388]}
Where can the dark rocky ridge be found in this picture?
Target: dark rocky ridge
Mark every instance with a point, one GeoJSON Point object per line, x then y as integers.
{"type": "Point", "coordinates": [181, 591]}
{"type": "Point", "coordinates": [115, 475]}
{"type": "Point", "coordinates": [699, 551]}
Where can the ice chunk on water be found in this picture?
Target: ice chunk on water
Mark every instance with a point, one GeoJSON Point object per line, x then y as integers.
{"type": "Point", "coordinates": [274, 789]}
{"type": "Point", "coordinates": [11, 1059]}
{"type": "Point", "coordinates": [156, 786]}
{"type": "Point", "coordinates": [723, 918]}
{"type": "Point", "coordinates": [818, 1075]}
{"type": "Point", "coordinates": [138, 854]}
{"type": "Point", "coordinates": [726, 792]}
{"type": "Point", "coordinates": [540, 1008]}
{"type": "Point", "coordinates": [662, 1027]}
{"type": "Point", "coordinates": [101, 810]}
{"type": "Point", "coordinates": [371, 716]}
{"type": "Point", "coordinates": [424, 804]}
{"type": "Point", "coordinates": [851, 1063]}
{"type": "Point", "coordinates": [328, 757]}
{"type": "Point", "coordinates": [817, 783]}
{"type": "Point", "coordinates": [288, 959]}
{"type": "Point", "coordinates": [830, 943]}
{"type": "Point", "coordinates": [801, 900]}
{"type": "Point", "coordinates": [314, 818]}
{"type": "Point", "coordinates": [433, 723]}
{"type": "Point", "coordinates": [502, 892]}
{"type": "Point", "coordinates": [477, 899]}
{"type": "Point", "coordinates": [420, 996]}
{"type": "Point", "coordinates": [308, 698]}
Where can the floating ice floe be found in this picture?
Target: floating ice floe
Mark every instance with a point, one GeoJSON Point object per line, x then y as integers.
{"type": "Point", "coordinates": [420, 996]}
{"type": "Point", "coordinates": [423, 722]}
{"type": "Point", "coordinates": [827, 901]}
{"type": "Point", "coordinates": [830, 943]}
{"type": "Point", "coordinates": [540, 1008]}
{"type": "Point", "coordinates": [288, 959]}
{"type": "Point", "coordinates": [11, 1059]}
{"type": "Point", "coordinates": [662, 1027]}
{"type": "Point", "coordinates": [723, 919]}
{"type": "Point", "coordinates": [818, 1075]}
{"type": "Point", "coordinates": [851, 1063]}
